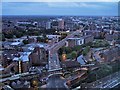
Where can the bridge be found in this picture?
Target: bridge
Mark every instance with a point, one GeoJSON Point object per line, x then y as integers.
{"type": "Point", "coordinates": [26, 76]}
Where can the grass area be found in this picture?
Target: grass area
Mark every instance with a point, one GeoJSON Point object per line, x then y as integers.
{"type": "Point", "coordinates": [100, 43]}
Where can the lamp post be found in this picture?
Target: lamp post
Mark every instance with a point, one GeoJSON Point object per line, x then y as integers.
{"type": "Point", "coordinates": [64, 57]}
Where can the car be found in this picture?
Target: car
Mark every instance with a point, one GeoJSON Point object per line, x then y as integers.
{"type": "Point", "coordinates": [44, 79]}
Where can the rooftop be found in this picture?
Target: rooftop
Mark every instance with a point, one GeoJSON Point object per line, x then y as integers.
{"type": "Point", "coordinates": [24, 57]}
{"type": "Point", "coordinates": [77, 38]}
{"type": "Point", "coordinates": [16, 43]}
{"type": "Point", "coordinates": [80, 59]}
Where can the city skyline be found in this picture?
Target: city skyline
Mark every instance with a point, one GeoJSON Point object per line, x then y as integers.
{"type": "Point", "coordinates": [60, 8]}
{"type": "Point", "coordinates": [60, 44]}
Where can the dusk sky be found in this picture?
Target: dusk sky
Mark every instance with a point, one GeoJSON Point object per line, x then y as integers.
{"type": "Point", "coordinates": [60, 8]}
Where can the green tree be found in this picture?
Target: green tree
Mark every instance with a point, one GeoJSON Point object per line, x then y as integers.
{"type": "Point", "coordinates": [105, 70]}
{"type": "Point", "coordinates": [2, 37]}
{"type": "Point", "coordinates": [36, 33]}
{"type": "Point", "coordinates": [39, 39]}
{"type": "Point", "coordinates": [73, 54]}
{"type": "Point", "coordinates": [9, 35]}
{"type": "Point", "coordinates": [77, 48]}
{"type": "Point", "coordinates": [19, 34]}
{"type": "Point", "coordinates": [86, 50]}
{"type": "Point", "coordinates": [67, 50]}
{"type": "Point", "coordinates": [25, 42]}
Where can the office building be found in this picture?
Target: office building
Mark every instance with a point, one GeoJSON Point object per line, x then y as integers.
{"type": "Point", "coordinates": [60, 24]}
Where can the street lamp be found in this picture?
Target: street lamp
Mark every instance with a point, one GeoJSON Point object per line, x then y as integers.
{"type": "Point", "coordinates": [64, 56]}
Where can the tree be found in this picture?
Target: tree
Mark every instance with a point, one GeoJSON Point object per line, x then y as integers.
{"type": "Point", "coordinates": [86, 50]}
{"type": "Point", "coordinates": [66, 49]}
{"type": "Point", "coordinates": [2, 37]}
{"type": "Point", "coordinates": [77, 48]}
{"type": "Point", "coordinates": [39, 39]}
{"type": "Point", "coordinates": [73, 54]}
{"type": "Point", "coordinates": [25, 42]}
{"type": "Point", "coordinates": [9, 35]}
{"type": "Point", "coordinates": [36, 33]}
{"type": "Point", "coordinates": [19, 34]}
{"type": "Point", "coordinates": [105, 70]}
{"type": "Point", "coordinates": [63, 35]}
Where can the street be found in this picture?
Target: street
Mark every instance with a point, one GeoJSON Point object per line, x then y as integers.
{"type": "Point", "coordinates": [56, 82]}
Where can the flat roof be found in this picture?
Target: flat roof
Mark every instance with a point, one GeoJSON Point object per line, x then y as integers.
{"type": "Point", "coordinates": [75, 38]}
{"type": "Point", "coordinates": [24, 57]}
{"type": "Point", "coordinates": [81, 60]}
{"type": "Point", "coordinates": [16, 43]}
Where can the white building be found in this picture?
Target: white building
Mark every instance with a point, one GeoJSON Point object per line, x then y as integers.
{"type": "Point", "coordinates": [53, 37]}
{"type": "Point", "coordinates": [71, 42]}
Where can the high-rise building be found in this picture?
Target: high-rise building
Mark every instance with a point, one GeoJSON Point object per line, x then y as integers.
{"type": "Point", "coordinates": [48, 25]}
{"type": "Point", "coordinates": [60, 24]}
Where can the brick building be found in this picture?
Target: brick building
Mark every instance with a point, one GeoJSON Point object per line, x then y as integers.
{"type": "Point", "coordinates": [110, 54]}
{"type": "Point", "coordinates": [38, 56]}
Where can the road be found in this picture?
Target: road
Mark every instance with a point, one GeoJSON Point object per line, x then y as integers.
{"type": "Point", "coordinates": [56, 82]}
{"type": "Point", "coordinates": [55, 79]}
{"type": "Point", "coordinates": [53, 56]}
{"type": "Point", "coordinates": [55, 47]}
{"type": "Point", "coordinates": [54, 63]}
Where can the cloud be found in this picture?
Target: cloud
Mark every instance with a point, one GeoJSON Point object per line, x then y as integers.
{"type": "Point", "coordinates": [74, 4]}
{"type": "Point", "coordinates": [62, 4]}
{"type": "Point", "coordinates": [61, 8]}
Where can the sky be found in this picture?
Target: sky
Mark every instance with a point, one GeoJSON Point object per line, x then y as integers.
{"type": "Point", "coordinates": [60, 0]}
{"type": "Point", "coordinates": [61, 8]}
